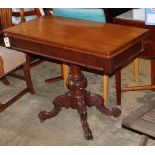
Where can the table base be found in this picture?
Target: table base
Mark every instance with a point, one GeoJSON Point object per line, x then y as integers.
{"type": "Point", "coordinates": [79, 98]}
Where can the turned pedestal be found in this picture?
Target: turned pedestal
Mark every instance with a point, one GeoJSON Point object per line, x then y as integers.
{"type": "Point", "coordinates": [79, 98]}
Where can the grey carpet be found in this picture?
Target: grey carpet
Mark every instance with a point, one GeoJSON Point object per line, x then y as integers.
{"type": "Point", "coordinates": [19, 124]}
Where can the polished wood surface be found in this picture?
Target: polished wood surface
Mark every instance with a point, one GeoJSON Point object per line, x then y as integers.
{"type": "Point", "coordinates": [106, 47]}
{"type": "Point", "coordinates": [105, 41]}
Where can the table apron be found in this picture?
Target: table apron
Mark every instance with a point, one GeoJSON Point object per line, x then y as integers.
{"type": "Point", "coordinates": [106, 64]}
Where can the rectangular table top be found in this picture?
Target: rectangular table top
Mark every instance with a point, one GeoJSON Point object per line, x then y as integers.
{"type": "Point", "coordinates": [78, 38]}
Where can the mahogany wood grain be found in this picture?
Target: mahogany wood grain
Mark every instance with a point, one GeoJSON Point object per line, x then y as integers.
{"type": "Point", "coordinates": [104, 48]}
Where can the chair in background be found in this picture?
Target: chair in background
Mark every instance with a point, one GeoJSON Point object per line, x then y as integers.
{"type": "Point", "coordinates": [20, 15]}
{"type": "Point", "coordinates": [96, 15]}
{"type": "Point", "coordinates": [12, 59]}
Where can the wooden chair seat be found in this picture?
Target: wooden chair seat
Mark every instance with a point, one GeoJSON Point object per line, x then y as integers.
{"type": "Point", "coordinates": [9, 60]}
{"type": "Point", "coordinates": [143, 121]}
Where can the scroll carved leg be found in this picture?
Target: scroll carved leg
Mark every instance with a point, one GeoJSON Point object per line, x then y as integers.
{"type": "Point", "coordinates": [59, 102]}
{"type": "Point", "coordinates": [2, 106]}
{"type": "Point", "coordinates": [82, 110]}
{"type": "Point", "coordinates": [97, 100]}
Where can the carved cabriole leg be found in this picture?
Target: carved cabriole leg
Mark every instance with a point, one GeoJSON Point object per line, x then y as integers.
{"type": "Point", "coordinates": [78, 98]}
{"type": "Point", "coordinates": [60, 101]}
{"type": "Point", "coordinates": [97, 100]}
{"type": "Point", "coordinates": [82, 110]}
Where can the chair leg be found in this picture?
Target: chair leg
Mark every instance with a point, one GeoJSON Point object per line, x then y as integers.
{"type": "Point", "coordinates": [118, 87]}
{"type": "Point", "coordinates": [5, 81]}
{"type": "Point", "coordinates": [136, 69]}
{"type": "Point", "coordinates": [13, 100]}
{"type": "Point", "coordinates": [28, 80]}
{"type": "Point", "coordinates": [144, 140]}
{"type": "Point", "coordinates": [105, 87]}
{"type": "Point", "coordinates": [29, 88]}
{"type": "Point", "coordinates": [65, 72]}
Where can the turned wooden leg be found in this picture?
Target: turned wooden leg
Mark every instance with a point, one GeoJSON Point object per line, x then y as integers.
{"type": "Point", "coordinates": [136, 69]}
{"type": "Point", "coordinates": [105, 87]}
{"type": "Point", "coordinates": [65, 73]}
{"type": "Point", "coordinates": [118, 86]}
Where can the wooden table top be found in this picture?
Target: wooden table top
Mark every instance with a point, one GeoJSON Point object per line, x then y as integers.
{"type": "Point", "coordinates": [87, 38]}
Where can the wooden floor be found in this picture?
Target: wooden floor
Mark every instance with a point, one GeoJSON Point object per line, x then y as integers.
{"type": "Point", "coordinates": [142, 120]}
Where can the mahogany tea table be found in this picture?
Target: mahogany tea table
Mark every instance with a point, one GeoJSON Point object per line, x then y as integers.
{"type": "Point", "coordinates": [102, 46]}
